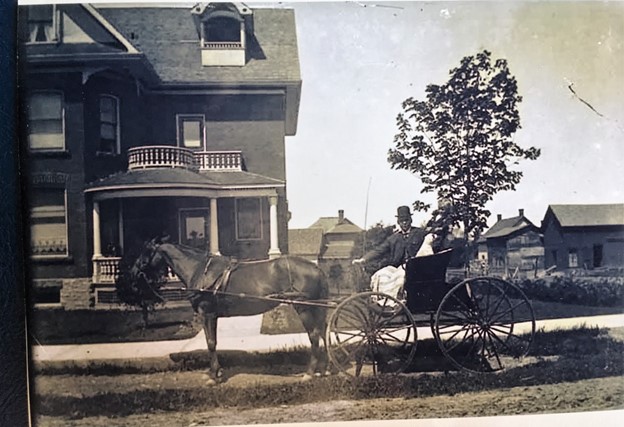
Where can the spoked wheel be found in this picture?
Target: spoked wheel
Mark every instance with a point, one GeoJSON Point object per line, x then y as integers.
{"type": "Point", "coordinates": [371, 333]}
{"type": "Point", "coordinates": [483, 324]}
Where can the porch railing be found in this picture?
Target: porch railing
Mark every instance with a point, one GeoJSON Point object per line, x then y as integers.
{"type": "Point", "coordinates": [160, 156]}
{"type": "Point", "coordinates": [219, 160]}
{"type": "Point", "coordinates": [106, 270]}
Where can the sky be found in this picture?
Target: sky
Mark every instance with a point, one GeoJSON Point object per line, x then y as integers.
{"type": "Point", "coordinates": [359, 61]}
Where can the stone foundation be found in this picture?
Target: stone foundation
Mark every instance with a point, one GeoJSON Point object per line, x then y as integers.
{"type": "Point", "coordinates": [76, 294]}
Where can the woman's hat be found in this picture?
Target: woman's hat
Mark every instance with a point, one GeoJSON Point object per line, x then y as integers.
{"type": "Point", "coordinates": [403, 212]}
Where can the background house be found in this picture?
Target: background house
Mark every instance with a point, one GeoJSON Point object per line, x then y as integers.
{"type": "Point", "coordinates": [306, 243]}
{"type": "Point", "coordinates": [340, 242]}
{"type": "Point", "coordinates": [148, 121]}
{"type": "Point", "coordinates": [584, 236]}
{"type": "Point", "coordinates": [514, 247]}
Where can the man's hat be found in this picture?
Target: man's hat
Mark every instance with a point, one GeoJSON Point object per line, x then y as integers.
{"type": "Point", "coordinates": [403, 212]}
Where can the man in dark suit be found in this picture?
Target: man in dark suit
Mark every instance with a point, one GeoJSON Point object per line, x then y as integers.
{"type": "Point", "coordinates": [401, 245]}
{"type": "Point", "coordinates": [404, 243]}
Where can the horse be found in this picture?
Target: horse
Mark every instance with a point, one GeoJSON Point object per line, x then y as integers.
{"type": "Point", "coordinates": [246, 289]}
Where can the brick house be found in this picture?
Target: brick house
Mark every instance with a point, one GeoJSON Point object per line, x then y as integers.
{"type": "Point", "coordinates": [514, 247]}
{"type": "Point", "coordinates": [584, 236]}
{"type": "Point", "coordinates": [151, 120]}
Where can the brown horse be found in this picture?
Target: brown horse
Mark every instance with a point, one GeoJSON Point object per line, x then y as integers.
{"type": "Point", "coordinates": [244, 291]}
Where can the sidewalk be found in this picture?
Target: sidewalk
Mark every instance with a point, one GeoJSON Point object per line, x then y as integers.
{"type": "Point", "coordinates": [243, 333]}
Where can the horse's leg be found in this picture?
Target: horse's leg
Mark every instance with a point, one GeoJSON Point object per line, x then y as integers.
{"type": "Point", "coordinates": [209, 318]}
{"type": "Point", "coordinates": [313, 319]}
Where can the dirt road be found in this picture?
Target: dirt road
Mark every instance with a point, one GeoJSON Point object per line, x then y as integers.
{"type": "Point", "coordinates": [588, 395]}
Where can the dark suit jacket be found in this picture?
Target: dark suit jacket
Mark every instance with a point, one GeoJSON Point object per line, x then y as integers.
{"type": "Point", "coordinates": [399, 246]}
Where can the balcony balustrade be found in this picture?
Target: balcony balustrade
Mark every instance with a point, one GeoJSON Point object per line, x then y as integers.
{"type": "Point", "coordinates": [219, 160]}
{"type": "Point", "coordinates": [164, 156]}
{"type": "Point", "coordinates": [160, 156]}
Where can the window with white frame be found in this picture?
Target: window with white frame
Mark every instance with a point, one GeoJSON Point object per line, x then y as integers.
{"type": "Point", "coordinates": [573, 258]}
{"type": "Point", "coordinates": [46, 130]}
{"type": "Point", "coordinates": [194, 227]}
{"type": "Point", "coordinates": [191, 132]}
{"type": "Point", "coordinates": [48, 222]}
{"type": "Point", "coordinates": [109, 125]}
{"type": "Point", "coordinates": [42, 24]}
{"type": "Point", "coordinates": [249, 218]}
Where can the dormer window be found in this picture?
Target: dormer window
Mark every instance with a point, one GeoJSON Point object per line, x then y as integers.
{"type": "Point", "coordinates": [222, 32]}
{"type": "Point", "coordinates": [42, 24]}
{"type": "Point", "coordinates": [222, 29]}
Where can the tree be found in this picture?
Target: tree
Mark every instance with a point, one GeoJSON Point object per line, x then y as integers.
{"type": "Point", "coordinates": [459, 141]}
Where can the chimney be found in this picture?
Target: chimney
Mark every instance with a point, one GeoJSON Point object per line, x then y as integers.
{"type": "Point", "coordinates": [499, 217]}
{"type": "Point", "coordinates": [340, 215]}
{"type": "Point", "coordinates": [520, 212]}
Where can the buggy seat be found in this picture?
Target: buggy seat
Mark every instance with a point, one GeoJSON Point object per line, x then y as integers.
{"type": "Point", "coordinates": [425, 281]}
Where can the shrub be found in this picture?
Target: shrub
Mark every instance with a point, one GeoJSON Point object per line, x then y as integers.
{"type": "Point", "coordinates": [594, 291]}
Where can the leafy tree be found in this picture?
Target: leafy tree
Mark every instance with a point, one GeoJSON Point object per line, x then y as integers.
{"type": "Point", "coordinates": [459, 140]}
{"type": "Point", "coordinates": [374, 237]}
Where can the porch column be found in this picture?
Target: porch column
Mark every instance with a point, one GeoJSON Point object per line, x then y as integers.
{"type": "Point", "coordinates": [274, 250]}
{"type": "Point", "coordinates": [121, 227]}
{"type": "Point", "coordinates": [97, 243]}
{"type": "Point", "coordinates": [214, 228]}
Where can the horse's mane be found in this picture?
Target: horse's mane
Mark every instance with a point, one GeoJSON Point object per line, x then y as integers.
{"type": "Point", "coordinates": [191, 251]}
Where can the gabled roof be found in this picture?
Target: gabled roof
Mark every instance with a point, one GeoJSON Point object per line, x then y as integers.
{"type": "Point", "coordinates": [305, 241]}
{"type": "Point", "coordinates": [587, 215]}
{"type": "Point", "coordinates": [168, 38]}
{"type": "Point", "coordinates": [508, 226]}
{"type": "Point", "coordinates": [333, 224]}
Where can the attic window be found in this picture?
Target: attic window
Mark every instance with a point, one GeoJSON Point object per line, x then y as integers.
{"type": "Point", "coordinates": [222, 32]}
{"type": "Point", "coordinates": [222, 29]}
{"type": "Point", "coordinates": [42, 24]}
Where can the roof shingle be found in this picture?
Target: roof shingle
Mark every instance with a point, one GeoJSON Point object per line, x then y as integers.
{"type": "Point", "coordinates": [305, 241]}
{"type": "Point", "coordinates": [169, 40]}
{"type": "Point", "coordinates": [588, 215]}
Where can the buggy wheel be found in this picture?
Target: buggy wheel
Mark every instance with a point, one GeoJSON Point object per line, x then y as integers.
{"type": "Point", "coordinates": [371, 333]}
{"type": "Point", "coordinates": [483, 324]}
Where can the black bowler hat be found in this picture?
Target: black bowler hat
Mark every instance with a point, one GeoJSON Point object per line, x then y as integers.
{"type": "Point", "coordinates": [403, 212]}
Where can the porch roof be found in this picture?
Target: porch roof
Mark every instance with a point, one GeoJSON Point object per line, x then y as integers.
{"type": "Point", "coordinates": [173, 178]}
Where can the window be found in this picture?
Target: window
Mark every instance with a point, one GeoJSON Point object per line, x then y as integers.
{"type": "Point", "coordinates": [42, 24]}
{"type": "Point", "coordinates": [109, 125]}
{"type": "Point", "coordinates": [48, 222]}
{"type": "Point", "coordinates": [191, 131]}
{"type": "Point", "coordinates": [45, 121]}
{"type": "Point", "coordinates": [222, 30]}
{"type": "Point", "coordinates": [597, 256]}
{"type": "Point", "coordinates": [572, 258]}
{"type": "Point", "coordinates": [248, 219]}
{"type": "Point", "coordinates": [194, 227]}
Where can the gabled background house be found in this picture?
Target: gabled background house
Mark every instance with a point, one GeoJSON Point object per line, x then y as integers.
{"type": "Point", "coordinates": [514, 247]}
{"type": "Point", "coordinates": [584, 236]}
{"type": "Point", "coordinates": [334, 241]}
{"type": "Point", "coordinates": [146, 121]}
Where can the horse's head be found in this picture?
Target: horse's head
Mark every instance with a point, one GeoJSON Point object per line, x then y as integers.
{"type": "Point", "coordinates": [139, 283]}
{"type": "Point", "coordinates": [150, 259]}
